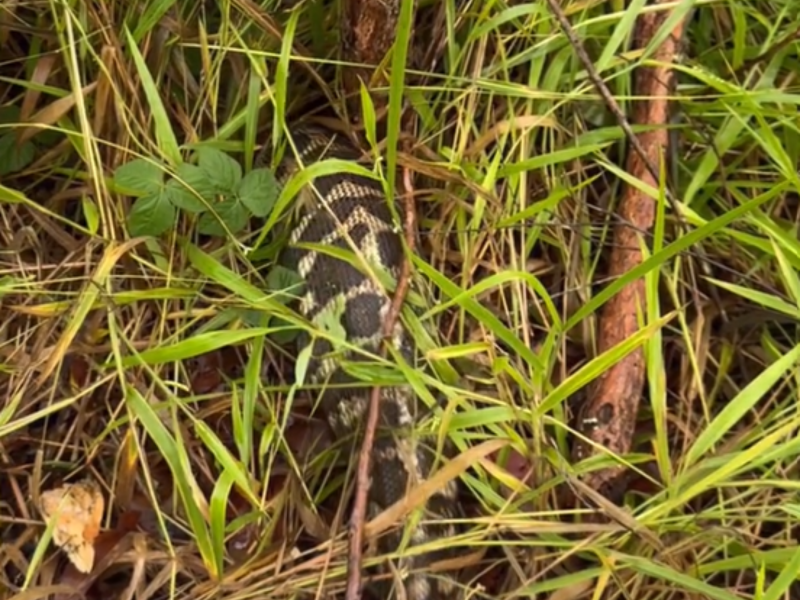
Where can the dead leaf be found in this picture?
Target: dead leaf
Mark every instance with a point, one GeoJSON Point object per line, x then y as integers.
{"type": "Point", "coordinates": [41, 72]}
{"type": "Point", "coordinates": [205, 372]}
{"type": "Point", "coordinates": [574, 590]}
{"type": "Point", "coordinates": [50, 114]}
{"type": "Point", "coordinates": [108, 546]}
{"type": "Point", "coordinates": [78, 512]}
{"type": "Point", "coordinates": [504, 127]}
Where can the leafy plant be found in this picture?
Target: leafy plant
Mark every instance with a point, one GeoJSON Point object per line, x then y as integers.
{"type": "Point", "coordinates": [13, 156]}
{"type": "Point", "coordinates": [214, 189]}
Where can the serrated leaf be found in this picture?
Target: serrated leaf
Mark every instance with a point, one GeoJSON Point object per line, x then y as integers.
{"type": "Point", "coordinates": [190, 182]}
{"type": "Point", "coordinates": [223, 172]}
{"type": "Point", "coordinates": [258, 191]}
{"type": "Point", "coordinates": [197, 179]}
{"type": "Point", "coordinates": [140, 177]}
{"type": "Point", "coordinates": [230, 211]}
{"type": "Point", "coordinates": [14, 157]}
{"type": "Point", "coordinates": [151, 215]}
{"type": "Point", "coordinates": [285, 283]}
{"type": "Point", "coordinates": [182, 197]}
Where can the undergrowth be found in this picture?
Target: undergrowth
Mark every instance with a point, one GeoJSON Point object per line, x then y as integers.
{"type": "Point", "coordinates": [145, 332]}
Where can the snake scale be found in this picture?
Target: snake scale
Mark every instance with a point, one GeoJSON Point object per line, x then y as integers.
{"type": "Point", "coordinates": [351, 212]}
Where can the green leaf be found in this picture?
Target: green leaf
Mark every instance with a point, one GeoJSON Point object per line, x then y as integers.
{"type": "Point", "coordinates": [165, 137]}
{"type": "Point", "coordinates": [140, 177]}
{"type": "Point", "coordinates": [286, 284]}
{"type": "Point", "coordinates": [218, 507]}
{"type": "Point", "coordinates": [9, 114]}
{"type": "Point", "coordinates": [622, 32]}
{"type": "Point", "coordinates": [174, 453]}
{"type": "Point", "coordinates": [250, 317]}
{"type": "Point", "coordinates": [780, 587]}
{"type": "Point", "coordinates": [258, 191]}
{"type": "Point", "coordinates": [398, 70]}
{"type": "Point", "coordinates": [91, 214]}
{"type": "Point", "coordinates": [368, 116]}
{"type": "Point", "coordinates": [12, 196]}
{"type": "Point", "coordinates": [230, 465]}
{"type": "Point", "coordinates": [674, 579]}
{"type": "Point", "coordinates": [184, 198]}
{"type": "Point", "coordinates": [301, 365]}
{"type": "Point", "coordinates": [223, 172]}
{"type": "Point", "coordinates": [11, 406]}
{"type": "Point", "coordinates": [149, 17]}
{"type": "Point", "coordinates": [192, 347]}
{"type": "Point", "coordinates": [197, 180]}
{"type": "Point", "coordinates": [151, 215]}
{"type": "Point", "coordinates": [221, 275]}
{"type": "Point", "coordinates": [730, 416]}
{"type": "Point", "coordinates": [13, 157]}
{"type": "Point", "coordinates": [230, 211]}
{"type": "Point", "coordinates": [190, 182]}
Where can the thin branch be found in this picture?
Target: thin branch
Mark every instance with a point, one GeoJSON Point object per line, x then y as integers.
{"type": "Point", "coordinates": [603, 90]}
{"type": "Point", "coordinates": [651, 167]}
{"type": "Point", "coordinates": [358, 516]}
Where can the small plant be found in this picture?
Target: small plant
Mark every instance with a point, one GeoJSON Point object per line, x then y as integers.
{"type": "Point", "coordinates": [214, 189]}
{"type": "Point", "coordinates": [13, 156]}
{"type": "Point", "coordinates": [16, 155]}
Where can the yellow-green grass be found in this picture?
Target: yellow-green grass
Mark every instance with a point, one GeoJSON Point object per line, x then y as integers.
{"type": "Point", "coordinates": [511, 279]}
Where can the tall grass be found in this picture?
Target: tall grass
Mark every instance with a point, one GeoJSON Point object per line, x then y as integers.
{"type": "Point", "coordinates": [106, 337]}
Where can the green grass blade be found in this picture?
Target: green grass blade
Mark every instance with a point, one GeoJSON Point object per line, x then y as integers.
{"type": "Point", "coordinates": [739, 406]}
{"type": "Point", "coordinates": [174, 453]}
{"type": "Point", "coordinates": [167, 142]}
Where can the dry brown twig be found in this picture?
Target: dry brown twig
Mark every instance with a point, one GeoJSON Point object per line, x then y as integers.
{"type": "Point", "coordinates": [358, 516]}
{"type": "Point", "coordinates": [368, 32]}
{"type": "Point", "coordinates": [608, 417]}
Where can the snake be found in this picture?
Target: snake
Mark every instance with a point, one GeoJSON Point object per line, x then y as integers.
{"type": "Point", "coordinates": [352, 214]}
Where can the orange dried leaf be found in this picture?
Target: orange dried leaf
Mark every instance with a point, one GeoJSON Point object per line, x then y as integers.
{"type": "Point", "coordinates": [78, 511]}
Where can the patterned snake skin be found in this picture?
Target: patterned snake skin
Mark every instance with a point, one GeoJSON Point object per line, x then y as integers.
{"type": "Point", "coordinates": [351, 213]}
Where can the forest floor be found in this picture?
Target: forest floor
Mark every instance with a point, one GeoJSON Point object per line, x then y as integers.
{"type": "Point", "coordinates": [145, 345]}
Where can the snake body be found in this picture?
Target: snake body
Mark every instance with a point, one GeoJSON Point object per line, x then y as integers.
{"type": "Point", "coordinates": [351, 213]}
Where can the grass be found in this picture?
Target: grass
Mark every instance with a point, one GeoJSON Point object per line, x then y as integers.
{"type": "Point", "coordinates": [110, 344]}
